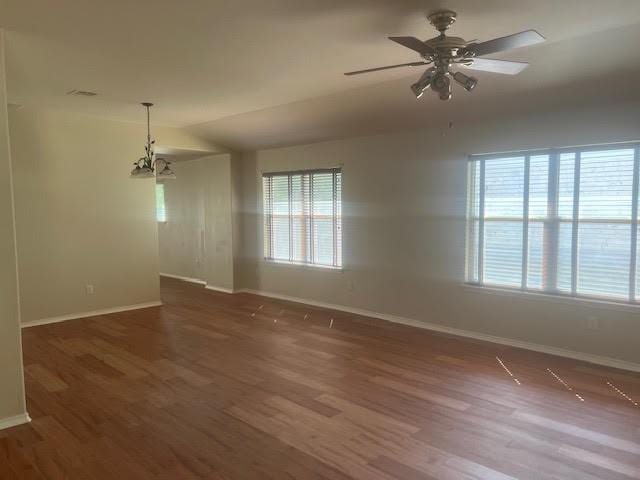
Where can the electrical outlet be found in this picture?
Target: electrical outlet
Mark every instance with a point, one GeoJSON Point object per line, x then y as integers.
{"type": "Point", "coordinates": [89, 289]}
{"type": "Point", "coordinates": [593, 322]}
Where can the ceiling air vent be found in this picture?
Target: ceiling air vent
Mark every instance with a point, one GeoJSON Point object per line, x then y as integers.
{"type": "Point", "coordinates": [82, 93]}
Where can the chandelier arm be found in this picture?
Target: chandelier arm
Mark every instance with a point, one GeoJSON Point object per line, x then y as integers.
{"type": "Point", "coordinates": [149, 160]}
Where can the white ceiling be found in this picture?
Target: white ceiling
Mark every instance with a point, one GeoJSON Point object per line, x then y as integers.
{"type": "Point", "coordinates": [256, 73]}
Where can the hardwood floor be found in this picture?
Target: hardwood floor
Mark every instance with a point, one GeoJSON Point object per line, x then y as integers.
{"type": "Point", "coordinates": [219, 386]}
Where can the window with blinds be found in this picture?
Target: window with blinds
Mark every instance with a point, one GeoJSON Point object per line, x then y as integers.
{"type": "Point", "coordinates": [303, 217]}
{"type": "Point", "coordinates": [557, 221]}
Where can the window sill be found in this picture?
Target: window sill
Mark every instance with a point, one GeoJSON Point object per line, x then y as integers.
{"type": "Point", "coordinates": [306, 266]}
{"type": "Point", "coordinates": [549, 297]}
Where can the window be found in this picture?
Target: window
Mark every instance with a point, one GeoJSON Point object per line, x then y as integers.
{"type": "Point", "coordinates": [161, 211]}
{"type": "Point", "coordinates": [557, 221]}
{"type": "Point", "coordinates": [303, 217]}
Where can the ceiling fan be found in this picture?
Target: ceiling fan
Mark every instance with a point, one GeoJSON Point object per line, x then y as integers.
{"type": "Point", "coordinates": [444, 52]}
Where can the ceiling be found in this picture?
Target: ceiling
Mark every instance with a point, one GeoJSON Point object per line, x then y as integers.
{"type": "Point", "coordinates": [255, 73]}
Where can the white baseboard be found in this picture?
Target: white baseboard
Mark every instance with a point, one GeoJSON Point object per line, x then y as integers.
{"type": "Point", "coordinates": [220, 289]}
{"type": "Point", "coordinates": [14, 421]}
{"type": "Point", "coordinates": [104, 311]}
{"type": "Point", "coordinates": [184, 279]}
{"type": "Point", "coordinates": [198, 282]}
{"type": "Point", "coordinates": [561, 352]}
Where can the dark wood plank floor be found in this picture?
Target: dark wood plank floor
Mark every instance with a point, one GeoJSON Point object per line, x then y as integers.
{"type": "Point", "coordinates": [216, 386]}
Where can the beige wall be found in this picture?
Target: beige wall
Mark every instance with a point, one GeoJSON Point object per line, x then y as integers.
{"type": "Point", "coordinates": [404, 230]}
{"type": "Point", "coordinates": [237, 202]}
{"type": "Point", "coordinates": [80, 220]}
{"type": "Point", "coordinates": [11, 376]}
{"type": "Point", "coordinates": [181, 237]}
{"type": "Point", "coordinates": [197, 239]}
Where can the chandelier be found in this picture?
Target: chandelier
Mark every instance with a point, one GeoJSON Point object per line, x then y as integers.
{"type": "Point", "coordinates": [149, 166]}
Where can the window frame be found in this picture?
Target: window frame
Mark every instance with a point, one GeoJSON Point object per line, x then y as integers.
{"type": "Point", "coordinates": [551, 225]}
{"type": "Point", "coordinates": [337, 220]}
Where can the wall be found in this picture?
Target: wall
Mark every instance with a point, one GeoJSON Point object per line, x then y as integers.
{"type": "Point", "coordinates": [181, 237]}
{"type": "Point", "coordinates": [12, 404]}
{"type": "Point", "coordinates": [404, 230]}
{"type": "Point", "coordinates": [196, 241]}
{"type": "Point", "coordinates": [80, 220]}
{"type": "Point", "coordinates": [237, 202]}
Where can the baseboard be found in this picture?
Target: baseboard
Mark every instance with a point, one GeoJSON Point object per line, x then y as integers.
{"type": "Point", "coordinates": [14, 421]}
{"type": "Point", "coordinates": [184, 279]}
{"type": "Point", "coordinates": [220, 289]}
{"type": "Point", "coordinates": [561, 352]}
{"type": "Point", "coordinates": [104, 311]}
{"type": "Point", "coordinates": [199, 282]}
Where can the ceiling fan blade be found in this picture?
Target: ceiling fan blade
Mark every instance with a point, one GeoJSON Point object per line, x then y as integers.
{"type": "Point", "coordinates": [414, 44]}
{"type": "Point", "coordinates": [505, 67]}
{"type": "Point", "coordinates": [410, 64]}
{"type": "Point", "coordinates": [517, 40]}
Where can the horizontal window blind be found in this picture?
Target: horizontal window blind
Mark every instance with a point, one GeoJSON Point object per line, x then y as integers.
{"type": "Point", "coordinates": [303, 217]}
{"type": "Point", "coordinates": [556, 221]}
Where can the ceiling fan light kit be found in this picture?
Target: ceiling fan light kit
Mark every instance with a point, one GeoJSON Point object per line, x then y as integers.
{"type": "Point", "coordinates": [469, 83]}
{"type": "Point", "coordinates": [444, 52]}
{"type": "Point", "coordinates": [442, 85]}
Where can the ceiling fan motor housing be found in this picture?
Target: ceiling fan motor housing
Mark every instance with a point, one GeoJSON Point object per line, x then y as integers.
{"type": "Point", "coordinates": [447, 47]}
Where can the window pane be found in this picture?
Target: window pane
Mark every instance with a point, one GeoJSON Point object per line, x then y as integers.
{"type": "Point", "coordinates": [266, 205]}
{"type": "Point", "coordinates": [604, 248]}
{"type": "Point", "coordinates": [300, 219]}
{"type": "Point", "coordinates": [566, 175]}
{"type": "Point", "coordinates": [606, 179]}
{"type": "Point", "coordinates": [637, 292]}
{"type": "Point", "coordinates": [538, 204]}
{"type": "Point", "coordinates": [280, 212]}
{"type": "Point", "coordinates": [565, 185]}
{"type": "Point", "coordinates": [339, 219]}
{"type": "Point", "coordinates": [603, 259]}
{"type": "Point", "coordinates": [504, 187]}
{"type": "Point", "coordinates": [534, 259]}
{"type": "Point", "coordinates": [161, 212]}
{"type": "Point", "coordinates": [323, 218]}
{"type": "Point", "coordinates": [538, 185]}
{"type": "Point", "coordinates": [473, 234]}
{"type": "Point", "coordinates": [503, 253]}
{"type": "Point", "coordinates": [504, 198]}
{"type": "Point", "coordinates": [565, 237]}
{"type": "Point", "coordinates": [473, 213]}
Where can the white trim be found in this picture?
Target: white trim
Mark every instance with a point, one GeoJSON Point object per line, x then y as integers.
{"type": "Point", "coordinates": [14, 421]}
{"type": "Point", "coordinates": [184, 279]}
{"type": "Point", "coordinates": [622, 306]}
{"type": "Point", "coordinates": [104, 311]}
{"type": "Point", "coordinates": [310, 266]}
{"type": "Point", "coordinates": [198, 282]}
{"type": "Point", "coordinates": [561, 352]}
{"type": "Point", "coordinates": [219, 289]}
